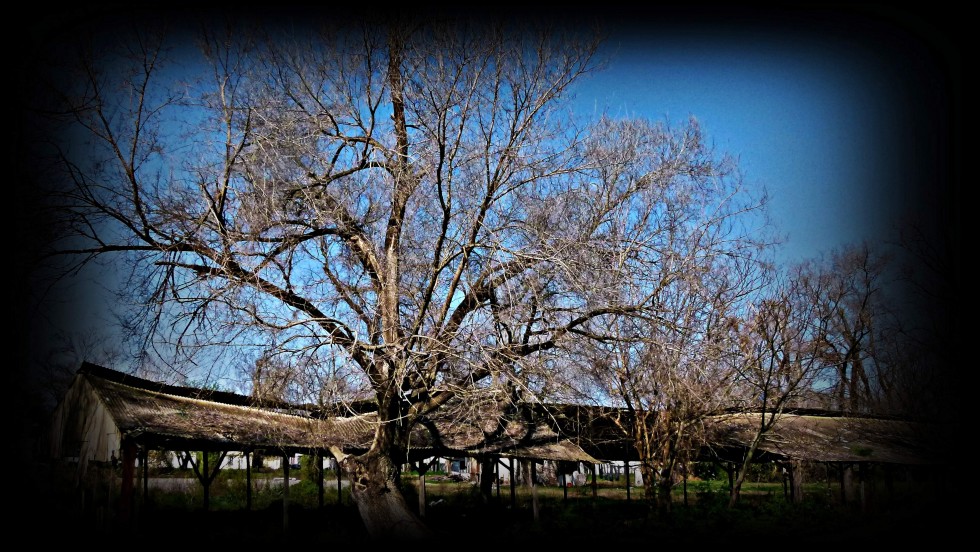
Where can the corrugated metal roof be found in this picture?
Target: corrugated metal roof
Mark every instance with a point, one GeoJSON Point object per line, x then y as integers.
{"type": "Point", "coordinates": [170, 416]}
{"type": "Point", "coordinates": [518, 440]}
{"type": "Point", "coordinates": [163, 416]}
{"type": "Point", "coordinates": [832, 439]}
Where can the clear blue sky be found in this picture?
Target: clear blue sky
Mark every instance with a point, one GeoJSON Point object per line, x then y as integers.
{"type": "Point", "coordinates": [841, 115]}
{"type": "Point", "coordinates": [846, 115]}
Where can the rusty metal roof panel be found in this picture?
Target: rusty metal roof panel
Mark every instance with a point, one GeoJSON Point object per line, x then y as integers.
{"type": "Point", "coordinates": [166, 417]}
{"type": "Point", "coordinates": [831, 439]}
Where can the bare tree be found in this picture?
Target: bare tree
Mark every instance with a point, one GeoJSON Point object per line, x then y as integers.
{"type": "Point", "coordinates": [922, 344]}
{"type": "Point", "coordinates": [849, 292]}
{"type": "Point", "coordinates": [404, 207]}
{"type": "Point", "coordinates": [65, 353]}
{"type": "Point", "coordinates": [780, 345]}
{"type": "Point", "coordinates": [670, 372]}
{"type": "Point", "coordinates": [669, 366]}
{"type": "Point", "coordinates": [273, 379]}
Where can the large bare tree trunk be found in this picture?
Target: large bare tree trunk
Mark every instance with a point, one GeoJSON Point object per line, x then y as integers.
{"type": "Point", "coordinates": [376, 489]}
{"type": "Point", "coordinates": [422, 467]}
{"type": "Point", "coordinates": [487, 478]}
{"type": "Point", "coordinates": [648, 473]}
{"type": "Point", "coordinates": [796, 481]}
{"type": "Point", "coordinates": [665, 488]}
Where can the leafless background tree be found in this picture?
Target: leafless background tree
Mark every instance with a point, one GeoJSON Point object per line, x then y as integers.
{"type": "Point", "coordinates": [671, 368]}
{"type": "Point", "coordinates": [780, 340]}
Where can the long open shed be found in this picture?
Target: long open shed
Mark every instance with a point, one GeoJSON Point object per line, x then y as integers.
{"type": "Point", "coordinates": [106, 412]}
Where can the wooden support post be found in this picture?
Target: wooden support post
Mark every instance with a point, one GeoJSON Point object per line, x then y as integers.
{"type": "Point", "coordinates": [128, 481]}
{"type": "Point", "coordinates": [684, 468]}
{"type": "Point", "coordinates": [422, 467]}
{"type": "Point", "coordinates": [862, 476]}
{"type": "Point", "coordinates": [786, 492]}
{"type": "Point", "coordinates": [496, 475]}
{"type": "Point", "coordinates": [889, 482]}
{"type": "Point", "coordinates": [626, 469]}
{"type": "Point", "coordinates": [318, 462]}
{"type": "Point", "coordinates": [513, 482]}
{"type": "Point", "coordinates": [847, 483]}
{"type": "Point", "coordinates": [144, 473]}
{"type": "Point", "coordinates": [826, 470]}
{"type": "Point", "coordinates": [206, 480]}
{"type": "Point", "coordinates": [248, 480]}
{"type": "Point", "coordinates": [340, 487]}
{"type": "Point", "coordinates": [595, 482]}
{"type": "Point", "coordinates": [731, 477]}
{"type": "Point", "coordinates": [534, 490]}
{"type": "Point", "coordinates": [285, 495]}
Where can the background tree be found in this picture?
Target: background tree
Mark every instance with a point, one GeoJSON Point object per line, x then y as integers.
{"type": "Point", "coordinates": [271, 379]}
{"type": "Point", "coordinates": [780, 344]}
{"type": "Point", "coordinates": [849, 293]}
{"type": "Point", "coordinates": [923, 342]}
{"type": "Point", "coordinates": [66, 353]}
{"type": "Point", "coordinates": [670, 371]}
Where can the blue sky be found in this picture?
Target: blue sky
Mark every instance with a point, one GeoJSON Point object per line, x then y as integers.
{"type": "Point", "coordinates": [845, 117]}
{"type": "Point", "coordinates": [839, 117]}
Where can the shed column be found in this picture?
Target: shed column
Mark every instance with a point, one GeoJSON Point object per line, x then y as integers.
{"type": "Point", "coordinates": [128, 485]}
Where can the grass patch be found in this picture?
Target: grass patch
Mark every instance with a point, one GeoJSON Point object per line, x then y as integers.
{"type": "Point", "coordinates": [572, 515]}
